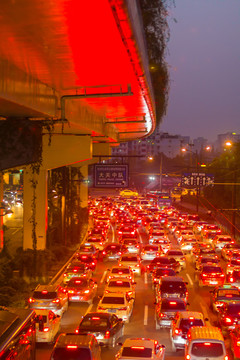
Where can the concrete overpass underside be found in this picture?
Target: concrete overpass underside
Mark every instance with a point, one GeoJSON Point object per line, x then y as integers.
{"type": "Point", "coordinates": [81, 65]}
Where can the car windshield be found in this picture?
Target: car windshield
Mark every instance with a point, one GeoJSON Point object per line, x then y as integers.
{"type": "Point", "coordinates": [71, 353]}
{"type": "Point", "coordinates": [94, 322]}
{"type": "Point", "coordinates": [173, 286]}
{"type": "Point", "coordinates": [212, 269]}
{"type": "Point", "coordinates": [119, 283]}
{"type": "Point", "coordinates": [186, 324]}
{"type": "Point", "coordinates": [160, 261]}
{"type": "Point", "coordinates": [207, 349]}
{"type": "Point", "coordinates": [120, 271]}
{"type": "Point", "coordinates": [165, 272]}
{"type": "Point", "coordinates": [113, 300]}
{"type": "Point", "coordinates": [137, 352]}
{"type": "Point", "coordinates": [129, 258]}
{"type": "Point", "coordinates": [175, 252]}
{"type": "Point", "coordinates": [234, 309]}
{"type": "Point", "coordinates": [174, 305]}
{"type": "Point", "coordinates": [78, 283]}
{"type": "Point", "coordinates": [44, 294]}
{"type": "Point", "coordinates": [150, 248]}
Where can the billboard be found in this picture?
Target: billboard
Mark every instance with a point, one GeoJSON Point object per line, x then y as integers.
{"type": "Point", "coordinates": [111, 176]}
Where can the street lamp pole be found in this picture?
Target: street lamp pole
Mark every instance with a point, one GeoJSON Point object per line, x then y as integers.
{"type": "Point", "coordinates": [160, 179]}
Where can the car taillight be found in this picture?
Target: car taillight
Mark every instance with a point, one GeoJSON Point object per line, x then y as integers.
{"type": "Point", "coordinates": [104, 252]}
{"type": "Point", "coordinates": [71, 291]}
{"type": "Point", "coordinates": [46, 329]}
{"type": "Point", "coordinates": [56, 301]}
{"type": "Point", "coordinates": [71, 346]}
{"type": "Point", "coordinates": [123, 309]}
{"type": "Point", "coordinates": [163, 315]}
{"type": "Point", "coordinates": [238, 343]}
{"type": "Point", "coordinates": [226, 357]}
{"type": "Point", "coordinates": [119, 253]}
{"type": "Point", "coordinates": [177, 331]}
{"type": "Point", "coordinates": [231, 279]}
{"type": "Point", "coordinates": [228, 320]}
{"type": "Point", "coordinates": [107, 335]}
{"type": "Point", "coordinates": [222, 275]}
{"type": "Point", "coordinates": [188, 357]}
{"type": "Point", "coordinates": [204, 275]}
{"type": "Point", "coordinates": [31, 300]}
{"type": "Point", "coordinates": [86, 291]}
{"type": "Point", "coordinates": [77, 331]}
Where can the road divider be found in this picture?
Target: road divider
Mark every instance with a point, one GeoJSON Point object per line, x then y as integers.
{"type": "Point", "coordinates": [189, 279]}
{"type": "Point", "coordinates": [145, 319]}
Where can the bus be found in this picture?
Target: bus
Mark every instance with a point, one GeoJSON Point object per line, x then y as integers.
{"type": "Point", "coordinates": [17, 334]}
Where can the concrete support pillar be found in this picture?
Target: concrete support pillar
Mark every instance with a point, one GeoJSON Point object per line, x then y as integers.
{"type": "Point", "coordinates": [37, 205]}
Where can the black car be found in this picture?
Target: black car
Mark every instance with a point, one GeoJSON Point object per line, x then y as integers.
{"type": "Point", "coordinates": [171, 286]}
{"type": "Point", "coordinates": [163, 261]}
{"type": "Point", "coordinates": [229, 316]}
{"type": "Point", "coordinates": [89, 261]}
{"type": "Point", "coordinates": [106, 327]}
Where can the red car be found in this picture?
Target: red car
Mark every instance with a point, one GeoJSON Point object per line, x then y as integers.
{"type": "Point", "coordinates": [235, 342]}
{"type": "Point", "coordinates": [211, 275]}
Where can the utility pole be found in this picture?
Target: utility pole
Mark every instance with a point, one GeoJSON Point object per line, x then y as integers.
{"type": "Point", "coordinates": [160, 179]}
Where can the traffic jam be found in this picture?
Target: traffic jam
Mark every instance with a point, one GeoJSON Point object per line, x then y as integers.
{"type": "Point", "coordinates": [147, 282]}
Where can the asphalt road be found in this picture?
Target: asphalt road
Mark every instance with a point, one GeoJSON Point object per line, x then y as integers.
{"type": "Point", "coordinates": [142, 322]}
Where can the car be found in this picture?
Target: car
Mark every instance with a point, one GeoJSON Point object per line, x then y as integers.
{"type": "Point", "coordinates": [178, 255]}
{"type": "Point", "coordinates": [88, 260]}
{"type": "Point", "coordinates": [133, 261]}
{"type": "Point", "coordinates": [183, 234]}
{"type": "Point", "coordinates": [205, 260]}
{"type": "Point", "coordinates": [198, 225]}
{"type": "Point", "coordinates": [234, 336]}
{"type": "Point", "coordinates": [223, 294]}
{"type": "Point", "coordinates": [163, 242]}
{"type": "Point", "coordinates": [228, 249]}
{"type": "Point", "coordinates": [234, 278]}
{"type": "Point", "coordinates": [124, 272]}
{"type": "Point", "coordinates": [97, 241]}
{"type": "Point", "coordinates": [166, 310]}
{"type": "Point", "coordinates": [113, 251]}
{"type": "Point", "coordinates": [191, 219]}
{"type": "Point", "coordinates": [132, 245]}
{"type": "Point", "coordinates": [210, 275]}
{"type": "Point", "coordinates": [229, 316]}
{"type": "Point", "coordinates": [117, 303]}
{"type": "Point", "coordinates": [171, 286]}
{"type": "Point", "coordinates": [181, 323]}
{"type": "Point", "coordinates": [87, 249]}
{"type": "Point", "coordinates": [81, 289]}
{"type": "Point", "coordinates": [49, 297]}
{"type": "Point", "coordinates": [127, 230]}
{"type": "Point", "coordinates": [187, 244]}
{"type": "Point", "coordinates": [219, 241]}
{"type": "Point", "coordinates": [141, 348]}
{"type": "Point", "coordinates": [196, 250]}
{"type": "Point", "coordinates": [47, 325]}
{"type": "Point", "coordinates": [121, 284]}
{"type": "Point", "coordinates": [106, 327]}
{"type": "Point", "coordinates": [163, 261]}
{"type": "Point", "coordinates": [149, 252]}
{"type": "Point", "coordinates": [159, 273]}
{"type": "Point", "coordinates": [233, 264]}
{"type": "Point", "coordinates": [76, 269]}
{"type": "Point", "coordinates": [210, 229]}
{"type": "Point", "coordinates": [128, 193]}
{"type": "Point", "coordinates": [72, 346]}
{"type": "Point", "coordinates": [156, 234]}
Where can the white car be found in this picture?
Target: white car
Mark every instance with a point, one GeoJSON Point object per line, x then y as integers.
{"type": "Point", "coordinates": [141, 348]}
{"type": "Point", "coordinates": [117, 303]}
{"type": "Point", "coordinates": [178, 255]}
{"type": "Point", "coordinates": [47, 325]}
{"type": "Point", "coordinates": [149, 252]}
{"type": "Point", "coordinates": [133, 261]}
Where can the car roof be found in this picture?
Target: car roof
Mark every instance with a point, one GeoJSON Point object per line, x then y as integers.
{"type": "Point", "coordinates": [187, 314]}
{"type": "Point", "coordinates": [65, 339]}
{"type": "Point", "coordinates": [115, 294]}
{"type": "Point", "coordinates": [138, 342]}
{"type": "Point", "coordinates": [172, 278]}
{"type": "Point", "coordinates": [99, 314]}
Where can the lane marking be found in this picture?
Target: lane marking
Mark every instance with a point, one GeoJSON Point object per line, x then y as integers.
{"type": "Point", "coordinates": [189, 279]}
{"type": "Point", "coordinates": [88, 309]}
{"type": "Point", "coordinates": [145, 278]}
{"type": "Point", "coordinates": [103, 277]}
{"type": "Point", "coordinates": [145, 320]}
{"type": "Point", "coordinates": [14, 232]}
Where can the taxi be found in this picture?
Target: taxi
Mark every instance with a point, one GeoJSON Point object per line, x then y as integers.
{"type": "Point", "coordinates": [117, 303]}
{"type": "Point", "coordinates": [120, 284]}
{"type": "Point", "coordinates": [124, 272]}
{"type": "Point", "coordinates": [223, 294]}
{"type": "Point", "coordinates": [128, 193]}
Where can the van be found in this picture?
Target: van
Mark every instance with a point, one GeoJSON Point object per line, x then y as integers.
{"type": "Point", "coordinates": [71, 346]}
{"type": "Point", "coordinates": [205, 342]}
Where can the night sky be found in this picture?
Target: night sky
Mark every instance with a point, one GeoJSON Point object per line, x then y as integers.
{"type": "Point", "coordinates": [204, 64]}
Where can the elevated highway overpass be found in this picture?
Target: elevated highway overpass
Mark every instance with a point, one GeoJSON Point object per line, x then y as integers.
{"type": "Point", "coordinates": [82, 67]}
